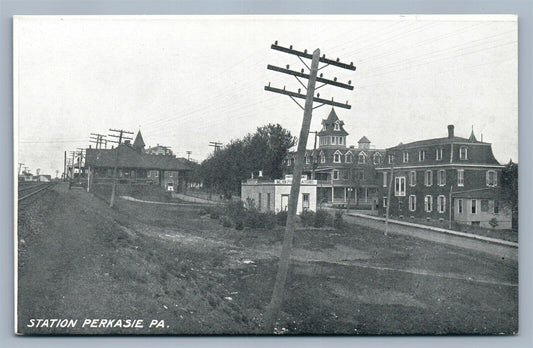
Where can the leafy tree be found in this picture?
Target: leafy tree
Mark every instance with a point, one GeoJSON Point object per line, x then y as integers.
{"type": "Point", "coordinates": [509, 182]}
{"type": "Point", "coordinates": [264, 150]}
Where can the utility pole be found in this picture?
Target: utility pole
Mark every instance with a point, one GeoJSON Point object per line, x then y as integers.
{"type": "Point", "coordinates": [98, 139]}
{"type": "Point", "coordinates": [65, 167]}
{"type": "Point", "coordinates": [188, 155]}
{"type": "Point", "coordinates": [281, 278]}
{"type": "Point", "coordinates": [391, 159]}
{"type": "Point", "coordinates": [217, 145]}
{"type": "Point", "coordinates": [120, 137]}
{"type": "Point", "coordinates": [314, 163]}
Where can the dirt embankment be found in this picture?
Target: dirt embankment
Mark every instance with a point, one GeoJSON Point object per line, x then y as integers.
{"type": "Point", "coordinates": [80, 259]}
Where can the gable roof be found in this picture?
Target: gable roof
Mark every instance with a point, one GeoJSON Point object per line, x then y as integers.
{"type": "Point", "coordinates": [129, 158]}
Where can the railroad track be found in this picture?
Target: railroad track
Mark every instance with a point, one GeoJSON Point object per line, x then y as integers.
{"type": "Point", "coordinates": [29, 190]}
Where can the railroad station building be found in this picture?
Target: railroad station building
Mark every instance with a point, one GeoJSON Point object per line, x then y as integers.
{"type": "Point", "coordinates": [136, 167]}
{"type": "Point", "coordinates": [447, 179]}
{"type": "Point", "coordinates": [345, 175]}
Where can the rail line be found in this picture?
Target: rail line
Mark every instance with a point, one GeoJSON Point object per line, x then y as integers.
{"type": "Point", "coordinates": [29, 190]}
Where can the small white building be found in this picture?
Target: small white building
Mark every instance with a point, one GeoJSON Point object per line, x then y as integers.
{"type": "Point", "coordinates": [274, 195]}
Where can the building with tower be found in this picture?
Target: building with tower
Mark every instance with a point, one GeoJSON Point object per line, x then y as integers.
{"type": "Point", "coordinates": [345, 175]}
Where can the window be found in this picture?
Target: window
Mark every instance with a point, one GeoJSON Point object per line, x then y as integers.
{"type": "Point", "coordinates": [170, 174]}
{"type": "Point", "coordinates": [384, 202]}
{"type": "Point", "coordinates": [361, 159]}
{"type": "Point", "coordinates": [259, 201]}
{"type": "Point", "coordinates": [156, 173]}
{"type": "Point", "coordinates": [337, 158]}
{"type": "Point", "coordinates": [377, 158]}
{"type": "Point", "coordinates": [268, 201]}
{"type": "Point", "coordinates": [412, 178]}
{"type": "Point", "coordinates": [305, 201]}
{"type": "Point", "coordinates": [484, 205]}
{"type": "Point", "coordinates": [412, 202]}
{"type": "Point", "coordinates": [438, 154]}
{"type": "Point", "coordinates": [385, 181]}
{"type": "Point", "coordinates": [405, 157]}
{"type": "Point", "coordinates": [491, 178]}
{"type": "Point", "coordinates": [348, 158]}
{"type": "Point", "coordinates": [337, 126]}
{"type": "Point", "coordinates": [460, 177]}
{"type": "Point", "coordinates": [399, 186]}
{"type": "Point", "coordinates": [391, 159]}
{"type": "Point", "coordinates": [421, 155]}
{"type": "Point", "coordinates": [307, 160]}
{"type": "Point", "coordinates": [333, 140]}
{"type": "Point", "coordinates": [149, 173]}
{"type": "Point", "coordinates": [441, 203]}
{"type": "Point", "coordinates": [474, 206]}
{"type": "Point", "coordinates": [496, 207]}
{"type": "Point", "coordinates": [322, 158]}
{"type": "Point", "coordinates": [459, 206]}
{"type": "Point", "coordinates": [463, 153]}
{"type": "Point", "coordinates": [428, 203]}
{"type": "Point", "coordinates": [441, 177]}
{"type": "Point", "coordinates": [341, 140]}
{"type": "Point", "coordinates": [335, 175]}
{"type": "Point", "coordinates": [428, 178]}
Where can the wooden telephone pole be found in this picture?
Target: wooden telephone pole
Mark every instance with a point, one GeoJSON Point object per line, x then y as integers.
{"type": "Point", "coordinates": [120, 137]}
{"type": "Point", "coordinates": [98, 140]}
{"type": "Point", "coordinates": [281, 278]}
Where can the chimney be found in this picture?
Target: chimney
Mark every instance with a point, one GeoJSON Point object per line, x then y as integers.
{"type": "Point", "coordinates": [450, 131]}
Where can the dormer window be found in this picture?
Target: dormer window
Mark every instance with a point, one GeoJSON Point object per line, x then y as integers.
{"type": "Point", "coordinates": [336, 126]}
{"type": "Point", "coordinates": [405, 157]}
{"type": "Point", "coordinates": [348, 157]}
{"type": "Point", "coordinates": [377, 158]}
{"type": "Point", "coordinates": [491, 178]}
{"type": "Point", "coordinates": [322, 158]}
{"type": "Point", "coordinates": [336, 158]}
{"type": "Point", "coordinates": [463, 153]}
{"type": "Point", "coordinates": [361, 159]}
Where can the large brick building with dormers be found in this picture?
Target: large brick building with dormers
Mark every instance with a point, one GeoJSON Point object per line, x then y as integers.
{"type": "Point", "coordinates": [451, 178]}
{"type": "Point", "coordinates": [345, 174]}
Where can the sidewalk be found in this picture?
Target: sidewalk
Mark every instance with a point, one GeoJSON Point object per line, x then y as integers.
{"type": "Point", "coordinates": [500, 248]}
{"type": "Point", "coordinates": [194, 199]}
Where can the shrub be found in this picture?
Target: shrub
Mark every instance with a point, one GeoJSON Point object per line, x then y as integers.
{"type": "Point", "coordinates": [307, 217]}
{"type": "Point", "coordinates": [256, 219]}
{"type": "Point", "coordinates": [493, 222]}
{"type": "Point", "coordinates": [338, 222]}
{"type": "Point", "coordinates": [239, 225]}
{"type": "Point", "coordinates": [281, 218]}
{"type": "Point", "coordinates": [321, 218]}
{"type": "Point", "coordinates": [203, 212]}
{"type": "Point", "coordinates": [235, 210]}
{"type": "Point", "coordinates": [214, 215]}
{"type": "Point", "coordinates": [226, 222]}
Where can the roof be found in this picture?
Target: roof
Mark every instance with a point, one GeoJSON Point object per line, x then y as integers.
{"type": "Point", "coordinates": [139, 142]}
{"type": "Point", "coordinates": [129, 158]}
{"type": "Point", "coordinates": [436, 141]}
{"type": "Point", "coordinates": [329, 125]}
{"type": "Point", "coordinates": [364, 139]}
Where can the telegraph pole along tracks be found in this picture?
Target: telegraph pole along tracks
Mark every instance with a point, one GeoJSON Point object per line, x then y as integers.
{"type": "Point", "coordinates": [81, 259]}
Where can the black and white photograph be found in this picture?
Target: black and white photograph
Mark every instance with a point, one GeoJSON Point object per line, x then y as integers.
{"type": "Point", "coordinates": [266, 174]}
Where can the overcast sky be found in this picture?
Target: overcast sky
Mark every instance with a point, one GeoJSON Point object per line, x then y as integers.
{"type": "Point", "coordinates": [187, 80]}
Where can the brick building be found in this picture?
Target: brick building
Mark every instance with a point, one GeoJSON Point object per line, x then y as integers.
{"type": "Point", "coordinates": [344, 174]}
{"type": "Point", "coordinates": [451, 178]}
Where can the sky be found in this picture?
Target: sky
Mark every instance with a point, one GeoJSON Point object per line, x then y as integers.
{"type": "Point", "coordinates": [185, 81]}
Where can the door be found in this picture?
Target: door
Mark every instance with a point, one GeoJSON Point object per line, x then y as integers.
{"type": "Point", "coordinates": [284, 202]}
